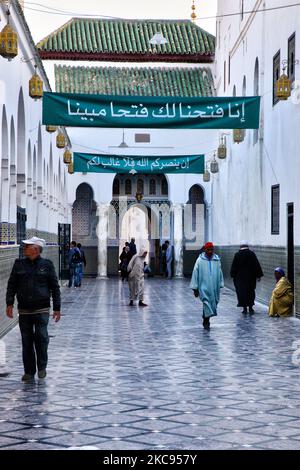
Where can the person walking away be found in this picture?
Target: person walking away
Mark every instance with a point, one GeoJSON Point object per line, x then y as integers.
{"type": "Point", "coordinates": [207, 280]}
{"type": "Point", "coordinates": [169, 259]}
{"type": "Point", "coordinates": [136, 278]}
{"type": "Point", "coordinates": [282, 300]}
{"type": "Point", "coordinates": [33, 280]}
{"type": "Point", "coordinates": [245, 271]}
{"type": "Point", "coordinates": [132, 247]}
{"type": "Point", "coordinates": [74, 258]}
{"type": "Point", "coordinates": [125, 258]}
{"type": "Point", "coordinates": [82, 263]}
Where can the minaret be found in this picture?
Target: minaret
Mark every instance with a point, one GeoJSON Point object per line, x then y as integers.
{"type": "Point", "coordinates": [194, 14]}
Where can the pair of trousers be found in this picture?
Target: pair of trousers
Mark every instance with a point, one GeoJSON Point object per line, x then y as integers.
{"type": "Point", "coordinates": [74, 274]}
{"type": "Point", "coordinates": [35, 340]}
{"type": "Point", "coordinates": [136, 288]}
{"type": "Point", "coordinates": [169, 269]}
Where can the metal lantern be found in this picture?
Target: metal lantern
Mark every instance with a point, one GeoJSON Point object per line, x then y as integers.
{"type": "Point", "coordinates": [222, 149]}
{"type": "Point", "coordinates": [206, 176]}
{"type": "Point", "coordinates": [8, 41]}
{"type": "Point", "coordinates": [71, 168]}
{"type": "Point", "coordinates": [238, 135]}
{"type": "Point", "coordinates": [214, 166]}
{"type": "Point", "coordinates": [36, 86]}
{"type": "Point", "coordinates": [60, 141]}
{"type": "Point", "coordinates": [67, 156]}
{"type": "Point", "coordinates": [139, 197]}
{"type": "Point", "coordinates": [51, 129]}
{"type": "Point", "coordinates": [283, 87]}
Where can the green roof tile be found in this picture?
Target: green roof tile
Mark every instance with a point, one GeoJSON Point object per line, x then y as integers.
{"type": "Point", "coordinates": [173, 81]}
{"type": "Point", "coordinates": [101, 39]}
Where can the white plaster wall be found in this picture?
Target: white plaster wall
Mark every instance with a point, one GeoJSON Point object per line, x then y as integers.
{"type": "Point", "coordinates": [43, 208]}
{"type": "Point", "coordinates": [242, 189]}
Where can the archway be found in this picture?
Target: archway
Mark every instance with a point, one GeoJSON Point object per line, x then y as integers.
{"type": "Point", "coordinates": [142, 208]}
{"type": "Point", "coordinates": [84, 226]}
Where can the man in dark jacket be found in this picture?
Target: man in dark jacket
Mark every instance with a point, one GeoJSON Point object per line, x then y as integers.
{"type": "Point", "coordinates": [33, 280]}
{"type": "Point", "coordinates": [245, 271]}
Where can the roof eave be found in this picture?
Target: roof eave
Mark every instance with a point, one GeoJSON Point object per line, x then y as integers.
{"type": "Point", "coordinates": [113, 57]}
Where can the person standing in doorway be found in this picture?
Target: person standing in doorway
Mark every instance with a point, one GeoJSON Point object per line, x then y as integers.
{"type": "Point", "coordinates": [245, 271]}
{"type": "Point", "coordinates": [169, 259]}
{"type": "Point", "coordinates": [82, 263]}
{"type": "Point", "coordinates": [125, 258]}
{"type": "Point", "coordinates": [74, 258]}
{"type": "Point", "coordinates": [33, 280]}
{"type": "Point", "coordinates": [136, 278]}
{"type": "Point", "coordinates": [207, 280]}
{"type": "Point", "coordinates": [132, 247]}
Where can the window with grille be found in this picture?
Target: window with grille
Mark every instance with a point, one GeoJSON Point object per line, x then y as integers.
{"type": "Point", "coordinates": [275, 219]}
{"type": "Point", "coordinates": [291, 57]}
{"type": "Point", "coordinates": [276, 75]}
{"type": "Point", "coordinates": [164, 187]}
{"type": "Point", "coordinates": [116, 187]}
{"type": "Point", "coordinates": [128, 187]}
{"type": "Point", "coordinates": [152, 187]}
{"type": "Point", "coordinates": [140, 186]}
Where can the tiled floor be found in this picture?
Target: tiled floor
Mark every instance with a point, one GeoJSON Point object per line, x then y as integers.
{"type": "Point", "coordinates": [130, 378]}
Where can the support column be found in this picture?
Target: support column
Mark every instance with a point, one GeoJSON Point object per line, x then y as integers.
{"type": "Point", "coordinates": [178, 240]}
{"type": "Point", "coordinates": [102, 233]}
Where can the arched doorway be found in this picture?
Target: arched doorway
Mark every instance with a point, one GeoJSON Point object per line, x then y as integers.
{"type": "Point", "coordinates": [194, 227]}
{"type": "Point", "coordinates": [84, 225]}
{"type": "Point", "coordinates": [141, 203]}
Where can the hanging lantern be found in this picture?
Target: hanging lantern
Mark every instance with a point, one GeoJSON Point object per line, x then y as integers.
{"type": "Point", "coordinates": [67, 156]}
{"type": "Point", "coordinates": [71, 168]}
{"type": "Point", "coordinates": [214, 166]}
{"type": "Point", "coordinates": [238, 135]}
{"type": "Point", "coordinates": [222, 149]}
{"type": "Point", "coordinates": [283, 87]}
{"type": "Point", "coordinates": [51, 129]}
{"type": "Point", "coordinates": [206, 176]}
{"type": "Point", "coordinates": [60, 141]}
{"type": "Point", "coordinates": [8, 41]}
{"type": "Point", "coordinates": [35, 86]}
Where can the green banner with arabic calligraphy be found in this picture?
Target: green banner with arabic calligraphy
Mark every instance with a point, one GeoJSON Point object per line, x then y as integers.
{"type": "Point", "coordinates": [83, 110]}
{"type": "Point", "coordinates": [94, 163]}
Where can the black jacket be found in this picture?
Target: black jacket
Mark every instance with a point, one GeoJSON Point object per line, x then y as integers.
{"type": "Point", "coordinates": [34, 282]}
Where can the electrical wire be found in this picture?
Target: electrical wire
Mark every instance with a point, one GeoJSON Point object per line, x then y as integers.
{"type": "Point", "coordinates": [57, 11]}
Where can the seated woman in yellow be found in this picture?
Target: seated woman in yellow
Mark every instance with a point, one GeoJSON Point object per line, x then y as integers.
{"type": "Point", "coordinates": [281, 303]}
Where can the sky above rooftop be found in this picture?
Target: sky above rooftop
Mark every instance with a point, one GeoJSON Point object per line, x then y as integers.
{"type": "Point", "coordinates": [44, 16]}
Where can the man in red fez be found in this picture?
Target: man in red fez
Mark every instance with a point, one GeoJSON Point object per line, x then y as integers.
{"type": "Point", "coordinates": [207, 280]}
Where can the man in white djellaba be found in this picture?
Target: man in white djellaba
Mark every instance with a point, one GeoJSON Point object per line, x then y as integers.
{"type": "Point", "coordinates": [136, 278]}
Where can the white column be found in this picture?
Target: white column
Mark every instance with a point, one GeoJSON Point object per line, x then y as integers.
{"type": "Point", "coordinates": [178, 240]}
{"type": "Point", "coordinates": [102, 233]}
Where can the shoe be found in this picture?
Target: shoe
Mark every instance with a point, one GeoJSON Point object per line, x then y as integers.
{"type": "Point", "coordinates": [27, 378]}
{"type": "Point", "coordinates": [206, 323]}
{"type": "Point", "coordinates": [251, 310]}
{"type": "Point", "coordinates": [245, 310]}
{"type": "Point", "coordinates": [42, 374]}
{"type": "Point", "coordinates": [131, 303]}
{"type": "Point", "coordinates": [141, 304]}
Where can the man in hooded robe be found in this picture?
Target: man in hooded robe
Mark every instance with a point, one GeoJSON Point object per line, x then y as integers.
{"type": "Point", "coordinates": [207, 280]}
{"type": "Point", "coordinates": [245, 271]}
{"type": "Point", "coordinates": [282, 300]}
{"type": "Point", "coordinates": [136, 278]}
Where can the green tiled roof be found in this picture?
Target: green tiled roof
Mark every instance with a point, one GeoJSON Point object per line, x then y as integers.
{"type": "Point", "coordinates": [135, 81]}
{"type": "Point", "coordinates": [99, 39]}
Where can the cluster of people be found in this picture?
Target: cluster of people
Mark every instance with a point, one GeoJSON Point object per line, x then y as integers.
{"type": "Point", "coordinates": [77, 260]}
{"type": "Point", "coordinates": [34, 282]}
{"type": "Point", "coordinates": [207, 280]}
